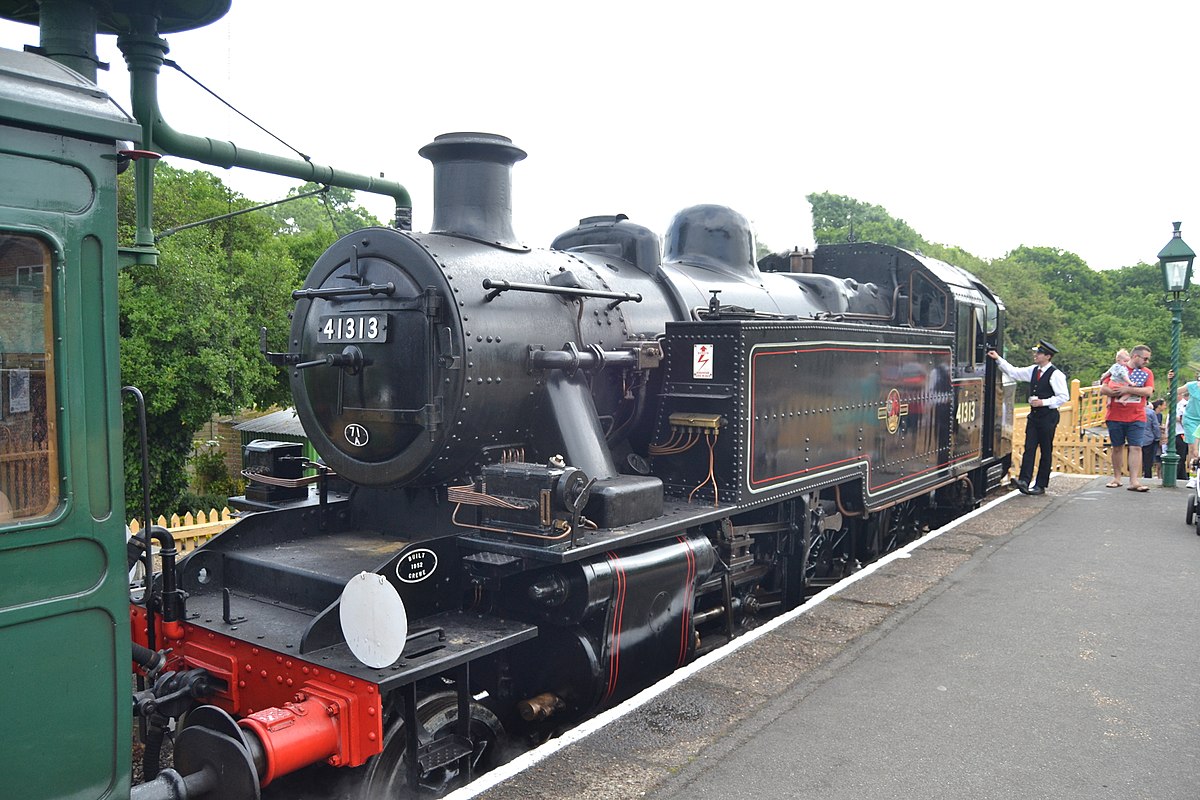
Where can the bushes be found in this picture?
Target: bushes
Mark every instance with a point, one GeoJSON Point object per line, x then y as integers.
{"type": "Point", "coordinates": [211, 484]}
{"type": "Point", "coordinates": [190, 502]}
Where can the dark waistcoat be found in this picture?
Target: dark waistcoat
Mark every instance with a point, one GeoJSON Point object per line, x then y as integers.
{"type": "Point", "coordinates": [1041, 387]}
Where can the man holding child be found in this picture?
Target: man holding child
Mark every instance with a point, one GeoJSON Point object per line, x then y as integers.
{"type": "Point", "coordinates": [1126, 418]}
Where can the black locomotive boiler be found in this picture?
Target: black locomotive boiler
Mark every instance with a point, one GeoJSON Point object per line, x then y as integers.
{"type": "Point", "coordinates": [551, 477]}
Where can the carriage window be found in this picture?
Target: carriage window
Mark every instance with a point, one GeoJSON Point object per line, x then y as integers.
{"type": "Point", "coordinates": [28, 451]}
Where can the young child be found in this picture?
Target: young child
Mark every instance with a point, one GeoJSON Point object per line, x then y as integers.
{"type": "Point", "coordinates": [1118, 373]}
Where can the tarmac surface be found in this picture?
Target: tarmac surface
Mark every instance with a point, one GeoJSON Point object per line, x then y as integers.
{"type": "Point", "coordinates": [1047, 647]}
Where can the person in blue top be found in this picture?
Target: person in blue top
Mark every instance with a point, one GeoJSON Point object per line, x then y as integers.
{"type": "Point", "coordinates": [1191, 421]}
{"type": "Point", "coordinates": [1153, 445]}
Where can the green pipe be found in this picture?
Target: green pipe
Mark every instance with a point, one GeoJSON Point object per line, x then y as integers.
{"type": "Point", "coordinates": [144, 53]}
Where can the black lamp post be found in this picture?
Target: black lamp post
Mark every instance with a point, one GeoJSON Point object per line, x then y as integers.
{"type": "Point", "coordinates": [1176, 262]}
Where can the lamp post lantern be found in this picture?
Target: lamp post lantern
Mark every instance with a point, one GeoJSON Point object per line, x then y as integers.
{"type": "Point", "coordinates": [1176, 262]}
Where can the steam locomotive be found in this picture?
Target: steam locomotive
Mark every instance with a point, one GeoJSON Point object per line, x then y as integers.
{"type": "Point", "coordinates": [551, 477]}
{"type": "Point", "coordinates": [548, 477]}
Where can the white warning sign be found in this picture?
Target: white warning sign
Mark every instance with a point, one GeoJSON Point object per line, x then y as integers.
{"type": "Point", "coordinates": [702, 362]}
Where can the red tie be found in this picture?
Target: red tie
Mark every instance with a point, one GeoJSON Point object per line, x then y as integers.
{"type": "Point", "coordinates": [1037, 374]}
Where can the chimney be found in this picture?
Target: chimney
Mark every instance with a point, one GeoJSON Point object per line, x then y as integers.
{"type": "Point", "coordinates": [472, 185]}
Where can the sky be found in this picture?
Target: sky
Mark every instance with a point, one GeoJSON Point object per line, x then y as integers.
{"type": "Point", "coordinates": [983, 125]}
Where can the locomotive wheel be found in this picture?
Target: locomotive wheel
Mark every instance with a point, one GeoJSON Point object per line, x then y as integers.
{"type": "Point", "coordinates": [906, 526]}
{"type": "Point", "coordinates": [826, 558]}
{"type": "Point", "coordinates": [387, 774]}
{"type": "Point", "coordinates": [1191, 509]}
{"type": "Point", "coordinates": [884, 532]}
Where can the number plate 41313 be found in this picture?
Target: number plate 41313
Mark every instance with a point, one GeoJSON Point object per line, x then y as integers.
{"type": "Point", "coordinates": [353, 328]}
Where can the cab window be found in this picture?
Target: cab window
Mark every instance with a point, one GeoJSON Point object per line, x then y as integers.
{"type": "Point", "coordinates": [991, 315]}
{"type": "Point", "coordinates": [28, 446]}
{"type": "Point", "coordinates": [929, 302]}
{"type": "Point", "coordinates": [972, 340]}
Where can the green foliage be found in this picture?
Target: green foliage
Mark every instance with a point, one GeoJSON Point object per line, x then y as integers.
{"type": "Point", "coordinates": [1070, 282]}
{"type": "Point", "coordinates": [1048, 294]}
{"type": "Point", "coordinates": [191, 502]}
{"type": "Point", "coordinates": [190, 325]}
{"type": "Point", "coordinates": [311, 224]}
{"type": "Point", "coordinates": [209, 472]}
{"type": "Point", "coordinates": [761, 250]}
{"type": "Point", "coordinates": [836, 217]}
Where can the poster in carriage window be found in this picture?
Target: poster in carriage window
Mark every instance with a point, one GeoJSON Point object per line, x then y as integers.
{"type": "Point", "coordinates": [29, 475]}
{"type": "Point", "coordinates": [18, 391]}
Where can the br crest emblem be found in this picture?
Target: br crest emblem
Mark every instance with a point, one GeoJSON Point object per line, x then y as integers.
{"type": "Point", "coordinates": [892, 410]}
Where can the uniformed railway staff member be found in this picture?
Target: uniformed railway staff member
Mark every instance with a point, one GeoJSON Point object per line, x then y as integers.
{"type": "Point", "coordinates": [1047, 391]}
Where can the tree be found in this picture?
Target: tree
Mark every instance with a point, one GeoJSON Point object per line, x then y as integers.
{"type": "Point", "coordinates": [1071, 283]}
{"type": "Point", "coordinates": [190, 325]}
{"type": "Point", "coordinates": [1031, 313]}
{"type": "Point", "coordinates": [836, 218]}
{"type": "Point", "coordinates": [310, 224]}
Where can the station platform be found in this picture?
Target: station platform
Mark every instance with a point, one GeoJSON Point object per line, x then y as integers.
{"type": "Point", "coordinates": [1042, 647]}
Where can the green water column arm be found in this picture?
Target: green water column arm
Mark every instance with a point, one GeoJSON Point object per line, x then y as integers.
{"type": "Point", "coordinates": [144, 54]}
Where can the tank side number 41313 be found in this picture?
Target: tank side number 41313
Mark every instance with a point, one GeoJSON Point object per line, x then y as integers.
{"type": "Point", "coordinates": [966, 412]}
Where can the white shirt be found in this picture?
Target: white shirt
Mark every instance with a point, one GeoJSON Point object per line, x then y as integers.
{"type": "Point", "coordinates": [1058, 381]}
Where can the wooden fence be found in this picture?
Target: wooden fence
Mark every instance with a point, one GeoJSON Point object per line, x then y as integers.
{"type": "Point", "coordinates": [1090, 406]}
{"type": "Point", "coordinates": [1074, 453]}
{"type": "Point", "coordinates": [192, 530]}
{"type": "Point", "coordinates": [1081, 440]}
